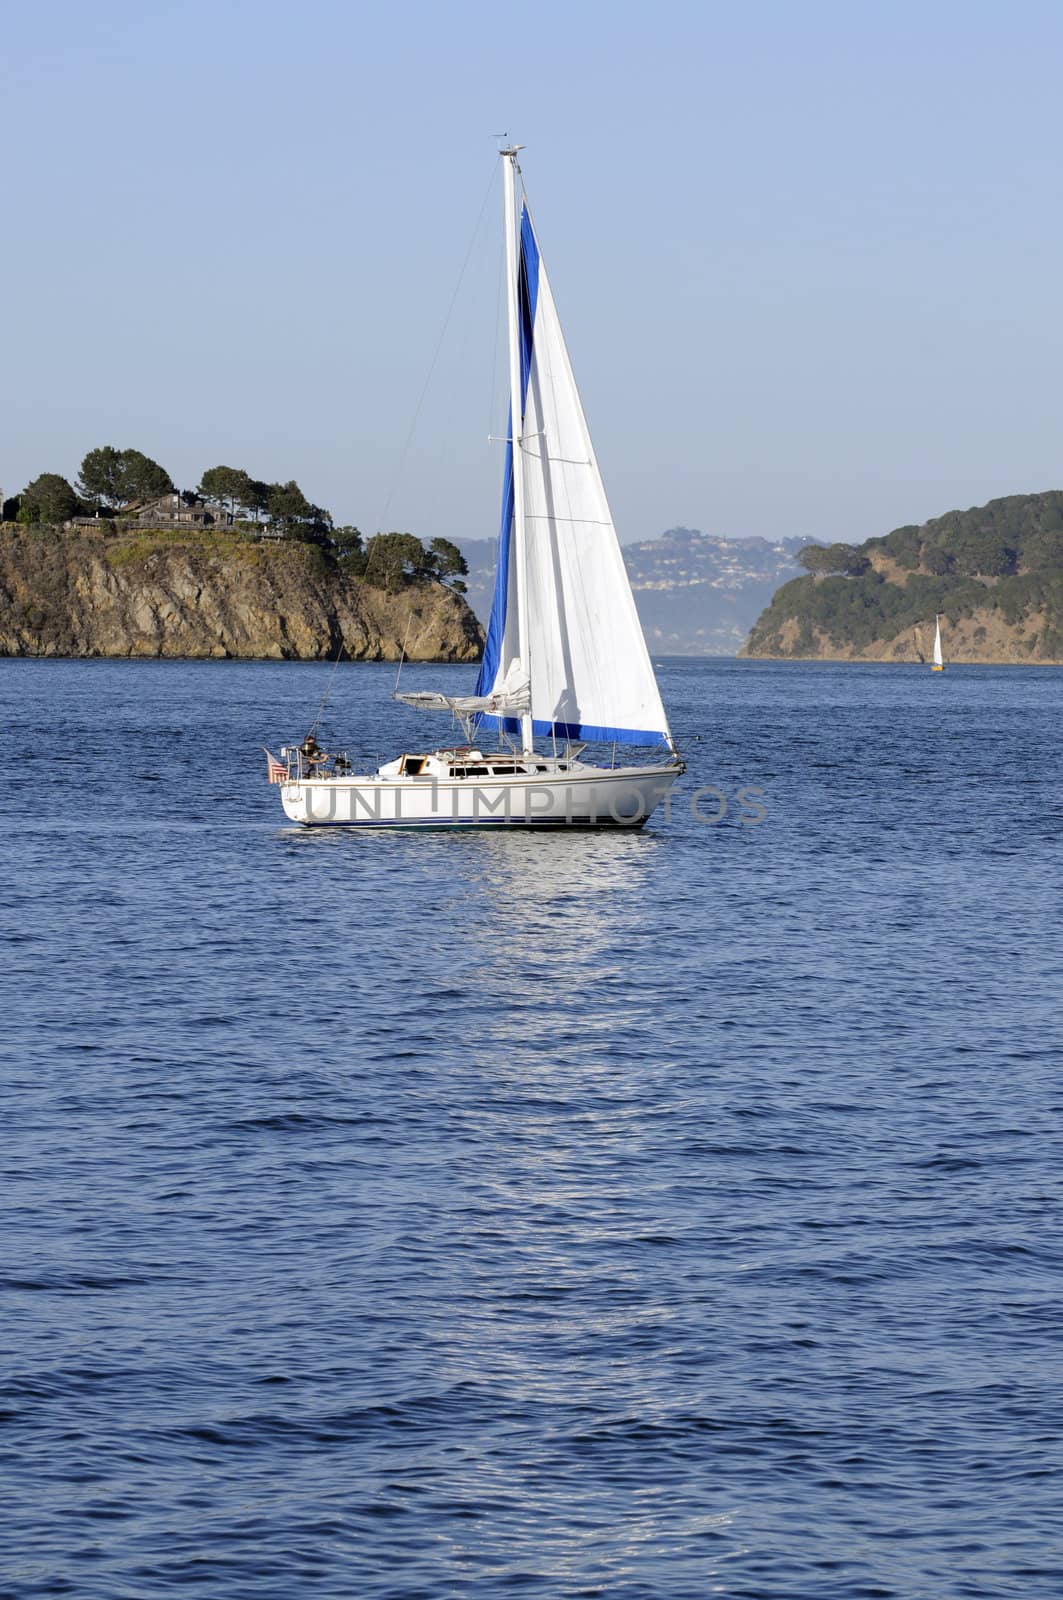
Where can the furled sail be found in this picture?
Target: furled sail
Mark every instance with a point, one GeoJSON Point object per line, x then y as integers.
{"type": "Point", "coordinates": [591, 675]}
{"type": "Point", "coordinates": [509, 699]}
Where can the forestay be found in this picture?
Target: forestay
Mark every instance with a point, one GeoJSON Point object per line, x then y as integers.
{"type": "Point", "coordinates": [591, 675]}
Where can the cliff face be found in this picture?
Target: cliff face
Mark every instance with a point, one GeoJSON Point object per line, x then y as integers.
{"type": "Point", "coordinates": [212, 594]}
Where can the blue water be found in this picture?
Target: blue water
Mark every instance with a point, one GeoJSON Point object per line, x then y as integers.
{"type": "Point", "coordinates": [656, 1214]}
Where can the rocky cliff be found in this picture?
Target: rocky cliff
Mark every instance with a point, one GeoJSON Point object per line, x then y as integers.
{"type": "Point", "coordinates": [195, 594]}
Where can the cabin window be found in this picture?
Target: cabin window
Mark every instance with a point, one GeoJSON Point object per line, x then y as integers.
{"type": "Point", "coordinates": [413, 766]}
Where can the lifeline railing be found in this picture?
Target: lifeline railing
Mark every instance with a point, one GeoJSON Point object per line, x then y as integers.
{"type": "Point", "coordinates": [329, 764]}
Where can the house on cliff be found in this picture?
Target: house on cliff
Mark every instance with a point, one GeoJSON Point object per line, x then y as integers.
{"type": "Point", "coordinates": [180, 509]}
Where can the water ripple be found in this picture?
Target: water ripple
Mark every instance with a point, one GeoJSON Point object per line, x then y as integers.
{"type": "Point", "coordinates": [643, 1217]}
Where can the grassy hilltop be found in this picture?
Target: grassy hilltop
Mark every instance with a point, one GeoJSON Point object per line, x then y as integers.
{"type": "Point", "coordinates": [995, 573]}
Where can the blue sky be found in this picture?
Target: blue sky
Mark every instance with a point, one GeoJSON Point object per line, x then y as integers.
{"type": "Point", "coordinates": [808, 257]}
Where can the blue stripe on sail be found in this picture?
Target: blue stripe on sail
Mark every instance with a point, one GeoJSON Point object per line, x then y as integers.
{"type": "Point", "coordinates": [577, 731]}
{"type": "Point", "coordinates": [497, 625]}
{"type": "Point", "coordinates": [528, 299]}
{"type": "Point", "coordinates": [528, 295]}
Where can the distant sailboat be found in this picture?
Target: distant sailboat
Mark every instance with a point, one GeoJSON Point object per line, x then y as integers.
{"type": "Point", "coordinates": [939, 660]}
{"type": "Point", "coordinates": [565, 659]}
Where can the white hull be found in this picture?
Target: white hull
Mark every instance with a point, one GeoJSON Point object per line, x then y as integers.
{"type": "Point", "coordinates": [581, 797]}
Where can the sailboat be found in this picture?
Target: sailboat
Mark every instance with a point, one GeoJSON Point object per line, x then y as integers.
{"type": "Point", "coordinates": [939, 660]}
{"type": "Point", "coordinates": [565, 661]}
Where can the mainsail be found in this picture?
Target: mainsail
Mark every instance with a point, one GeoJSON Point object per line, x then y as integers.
{"type": "Point", "coordinates": [939, 660]}
{"type": "Point", "coordinates": [591, 675]}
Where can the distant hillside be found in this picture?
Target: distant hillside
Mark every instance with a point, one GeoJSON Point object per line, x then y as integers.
{"type": "Point", "coordinates": [995, 573]}
{"type": "Point", "coordinates": [697, 594]}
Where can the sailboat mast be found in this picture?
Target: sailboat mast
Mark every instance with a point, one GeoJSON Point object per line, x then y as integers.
{"type": "Point", "coordinates": [516, 423]}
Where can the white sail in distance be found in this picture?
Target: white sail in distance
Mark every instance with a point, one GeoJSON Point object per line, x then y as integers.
{"type": "Point", "coordinates": [939, 660]}
{"type": "Point", "coordinates": [591, 674]}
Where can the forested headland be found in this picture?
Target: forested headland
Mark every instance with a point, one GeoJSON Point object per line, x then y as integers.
{"type": "Point", "coordinates": [121, 563]}
{"type": "Point", "coordinates": [994, 573]}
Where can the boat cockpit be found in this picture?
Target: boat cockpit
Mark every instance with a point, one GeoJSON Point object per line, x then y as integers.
{"type": "Point", "coordinates": [462, 761]}
{"type": "Point", "coordinates": [465, 762]}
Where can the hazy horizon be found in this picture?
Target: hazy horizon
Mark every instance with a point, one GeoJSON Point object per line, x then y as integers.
{"type": "Point", "coordinates": [807, 261]}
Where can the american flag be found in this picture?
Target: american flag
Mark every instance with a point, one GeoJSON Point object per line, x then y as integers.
{"type": "Point", "coordinates": [276, 771]}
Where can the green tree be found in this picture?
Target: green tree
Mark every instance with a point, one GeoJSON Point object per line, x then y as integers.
{"type": "Point", "coordinates": [448, 562]}
{"type": "Point", "coordinates": [320, 522]}
{"type": "Point", "coordinates": [293, 513]}
{"type": "Point", "coordinates": [833, 558]}
{"type": "Point", "coordinates": [118, 476]}
{"type": "Point", "coordinates": [349, 548]}
{"type": "Point", "coordinates": [936, 560]}
{"type": "Point", "coordinates": [982, 552]}
{"type": "Point", "coordinates": [903, 546]}
{"type": "Point", "coordinates": [287, 504]}
{"type": "Point", "coordinates": [49, 498]}
{"type": "Point", "coordinates": [1043, 549]}
{"type": "Point", "coordinates": [391, 558]}
{"type": "Point", "coordinates": [348, 540]}
{"type": "Point", "coordinates": [142, 478]}
{"type": "Point", "coordinates": [813, 558]}
{"type": "Point", "coordinates": [230, 484]}
{"type": "Point", "coordinates": [257, 497]}
{"type": "Point", "coordinates": [101, 476]}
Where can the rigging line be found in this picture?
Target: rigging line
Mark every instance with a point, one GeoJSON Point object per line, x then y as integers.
{"type": "Point", "coordinates": [494, 398]}
{"type": "Point", "coordinates": [413, 425]}
{"type": "Point", "coordinates": [402, 656]}
{"type": "Point", "coordinates": [328, 689]}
